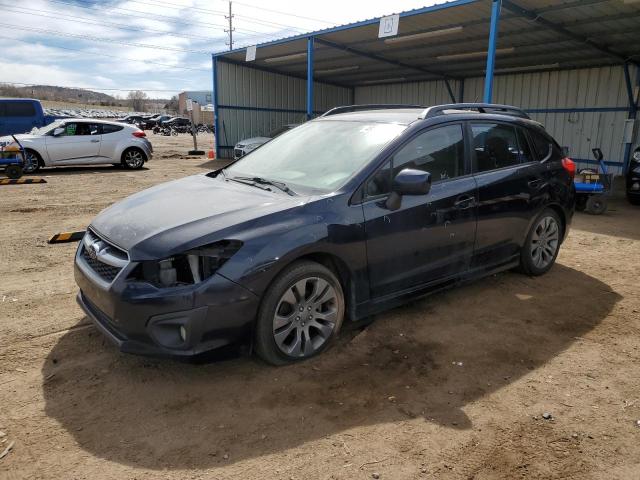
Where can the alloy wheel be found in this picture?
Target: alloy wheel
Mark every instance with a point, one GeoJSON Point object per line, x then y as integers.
{"type": "Point", "coordinates": [544, 242]}
{"type": "Point", "coordinates": [305, 317]}
{"type": "Point", "coordinates": [31, 163]}
{"type": "Point", "coordinates": [133, 159]}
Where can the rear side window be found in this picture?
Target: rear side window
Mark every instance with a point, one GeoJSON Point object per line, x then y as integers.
{"type": "Point", "coordinates": [544, 145]}
{"type": "Point", "coordinates": [111, 128]}
{"type": "Point", "coordinates": [495, 146]}
{"type": "Point", "coordinates": [524, 148]}
{"type": "Point", "coordinates": [18, 109]}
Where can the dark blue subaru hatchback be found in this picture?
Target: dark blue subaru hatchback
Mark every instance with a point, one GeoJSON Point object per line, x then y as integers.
{"type": "Point", "coordinates": [342, 217]}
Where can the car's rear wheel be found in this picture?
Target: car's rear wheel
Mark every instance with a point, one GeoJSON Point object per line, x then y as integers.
{"type": "Point", "coordinates": [542, 245]}
{"type": "Point", "coordinates": [301, 313]}
{"type": "Point", "coordinates": [133, 159]}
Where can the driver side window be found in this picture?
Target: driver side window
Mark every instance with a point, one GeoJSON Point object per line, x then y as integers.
{"type": "Point", "coordinates": [439, 151]}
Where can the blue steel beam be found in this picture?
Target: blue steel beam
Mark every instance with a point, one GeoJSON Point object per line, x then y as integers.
{"type": "Point", "coordinates": [633, 111]}
{"type": "Point", "coordinates": [214, 99]}
{"type": "Point", "coordinates": [309, 78]}
{"type": "Point", "coordinates": [491, 52]}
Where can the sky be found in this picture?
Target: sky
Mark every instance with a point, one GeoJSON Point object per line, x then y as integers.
{"type": "Point", "coordinates": [160, 47]}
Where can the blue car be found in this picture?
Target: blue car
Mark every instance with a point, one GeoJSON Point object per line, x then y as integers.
{"type": "Point", "coordinates": [21, 115]}
{"type": "Point", "coordinates": [342, 217]}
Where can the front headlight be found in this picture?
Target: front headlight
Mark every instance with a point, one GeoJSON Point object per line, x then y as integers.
{"type": "Point", "coordinates": [636, 155]}
{"type": "Point", "coordinates": [188, 268]}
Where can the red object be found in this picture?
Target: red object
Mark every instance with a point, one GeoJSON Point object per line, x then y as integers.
{"type": "Point", "coordinates": [570, 166]}
{"type": "Point", "coordinates": [139, 134]}
{"type": "Point", "coordinates": [212, 154]}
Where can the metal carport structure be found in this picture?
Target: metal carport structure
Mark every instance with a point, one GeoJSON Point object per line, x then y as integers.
{"type": "Point", "coordinates": [573, 65]}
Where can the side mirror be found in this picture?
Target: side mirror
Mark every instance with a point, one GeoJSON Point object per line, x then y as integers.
{"type": "Point", "coordinates": [412, 182]}
{"type": "Point", "coordinates": [408, 182]}
{"type": "Point", "coordinates": [597, 154]}
{"type": "Point", "coordinates": [58, 131]}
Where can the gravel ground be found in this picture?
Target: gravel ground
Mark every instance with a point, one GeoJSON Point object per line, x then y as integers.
{"type": "Point", "coordinates": [456, 385]}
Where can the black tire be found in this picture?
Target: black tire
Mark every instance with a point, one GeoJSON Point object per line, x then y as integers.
{"type": "Point", "coordinates": [133, 159]}
{"type": "Point", "coordinates": [528, 265]}
{"type": "Point", "coordinates": [33, 162]}
{"type": "Point", "coordinates": [13, 171]}
{"type": "Point", "coordinates": [286, 283]}
{"type": "Point", "coordinates": [596, 205]}
{"type": "Point", "coordinates": [634, 199]}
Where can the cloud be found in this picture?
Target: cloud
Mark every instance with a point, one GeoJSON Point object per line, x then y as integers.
{"type": "Point", "coordinates": [46, 61]}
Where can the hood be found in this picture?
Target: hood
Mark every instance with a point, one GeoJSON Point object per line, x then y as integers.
{"type": "Point", "coordinates": [168, 218]}
{"type": "Point", "coordinates": [21, 137]}
{"type": "Point", "coordinates": [254, 140]}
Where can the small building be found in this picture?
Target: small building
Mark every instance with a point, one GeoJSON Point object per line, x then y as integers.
{"type": "Point", "coordinates": [202, 110]}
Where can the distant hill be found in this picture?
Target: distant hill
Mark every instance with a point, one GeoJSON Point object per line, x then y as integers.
{"type": "Point", "coordinates": [62, 94]}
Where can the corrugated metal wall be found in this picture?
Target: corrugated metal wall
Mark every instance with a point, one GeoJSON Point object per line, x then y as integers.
{"type": "Point", "coordinates": [582, 109]}
{"type": "Point", "coordinates": [253, 102]}
{"type": "Point", "coordinates": [421, 93]}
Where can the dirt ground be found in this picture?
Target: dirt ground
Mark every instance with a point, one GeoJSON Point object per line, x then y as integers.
{"type": "Point", "coordinates": [451, 386]}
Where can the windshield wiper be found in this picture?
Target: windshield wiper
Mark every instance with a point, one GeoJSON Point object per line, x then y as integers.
{"type": "Point", "coordinates": [265, 181]}
{"type": "Point", "coordinates": [247, 181]}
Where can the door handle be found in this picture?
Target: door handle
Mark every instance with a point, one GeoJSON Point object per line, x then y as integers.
{"type": "Point", "coordinates": [464, 202]}
{"type": "Point", "coordinates": [94, 140]}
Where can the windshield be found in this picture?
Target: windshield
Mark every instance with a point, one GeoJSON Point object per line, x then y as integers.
{"type": "Point", "coordinates": [320, 155]}
{"type": "Point", "coordinates": [47, 128]}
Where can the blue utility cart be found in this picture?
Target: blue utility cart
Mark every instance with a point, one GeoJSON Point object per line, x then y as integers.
{"type": "Point", "coordinates": [12, 159]}
{"type": "Point", "coordinates": [593, 187]}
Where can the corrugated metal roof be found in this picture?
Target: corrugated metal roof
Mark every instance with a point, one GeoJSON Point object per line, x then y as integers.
{"type": "Point", "coordinates": [534, 35]}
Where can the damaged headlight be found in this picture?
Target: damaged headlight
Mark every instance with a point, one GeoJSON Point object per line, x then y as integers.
{"type": "Point", "coordinates": [188, 268]}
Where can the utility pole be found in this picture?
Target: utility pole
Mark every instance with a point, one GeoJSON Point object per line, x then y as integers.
{"type": "Point", "coordinates": [231, 29]}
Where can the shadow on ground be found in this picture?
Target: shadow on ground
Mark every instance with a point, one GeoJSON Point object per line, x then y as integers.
{"type": "Point", "coordinates": [162, 414]}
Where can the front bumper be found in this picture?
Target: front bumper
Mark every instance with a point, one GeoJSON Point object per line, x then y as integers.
{"type": "Point", "coordinates": [142, 319]}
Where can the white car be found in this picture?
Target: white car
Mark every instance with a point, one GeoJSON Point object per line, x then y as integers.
{"type": "Point", "coordinates": [250, 144]}
{"type": "Point", "coordinates": [82, 141]}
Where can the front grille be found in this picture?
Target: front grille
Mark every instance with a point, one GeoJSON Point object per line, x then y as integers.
{"type": "Point", "coordinates": [107, 272]}
{"type": "Point", "coordinates": [108, 260]}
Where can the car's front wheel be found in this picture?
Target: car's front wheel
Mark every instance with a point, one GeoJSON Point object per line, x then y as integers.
{"type": "Point", "coordinates": [133, 159]}
{"type": "Point", "coordinates": [301, 313]}
{"type": "Point", "coordinates": [32, 162]}
{"type": "Point", "coordinates": [542, 245]}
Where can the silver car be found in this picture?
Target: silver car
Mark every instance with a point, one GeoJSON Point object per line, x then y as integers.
{"type": "Point", "coordinates": [250, 144]}
{"type": "Point", "coordinates": [81, 141]}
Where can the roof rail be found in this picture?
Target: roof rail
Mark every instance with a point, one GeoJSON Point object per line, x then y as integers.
{"type": "Point", "coordinates": [373, 106]}
{"type": "Point", "coordinates": [479, 107]}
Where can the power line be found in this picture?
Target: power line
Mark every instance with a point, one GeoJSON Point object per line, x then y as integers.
{"type": "Point", "coordinates": [102, 39]}
{"type": "Point", "coordinates": [101, 54]}
{"type": "Point", "coordinates": [286, 13]}
{"type": "Point", "coordinates": [117, 25]}
{"type": "Point", "coordinates": [147, 15]}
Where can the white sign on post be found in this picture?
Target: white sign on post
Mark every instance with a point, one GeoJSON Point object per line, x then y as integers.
{"type": "Point", "coordinates": [189, 105]}
{"type": "Point", "coordinates": [389, 26]}
{"type": "Point", "coordinates": [251, 54]}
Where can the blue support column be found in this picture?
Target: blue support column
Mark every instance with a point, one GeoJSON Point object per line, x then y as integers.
{"type": "Point", "coordinates": [633, 111]}
{"type": "Point", "coordinates": [491, 51]}
{"type": "Point", "coordinates": [309, 78]}
{"type": "Point", "coordinates": [214, 99]}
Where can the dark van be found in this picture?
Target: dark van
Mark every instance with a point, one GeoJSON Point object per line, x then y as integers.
{"type": "Point", "coordinates": [20, 115]}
